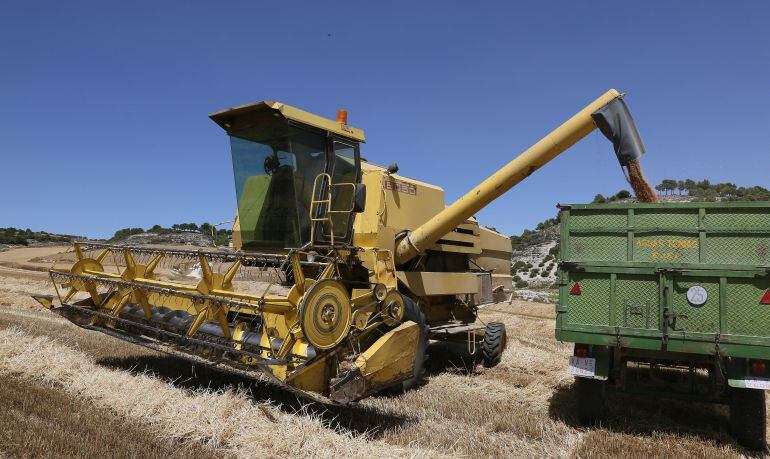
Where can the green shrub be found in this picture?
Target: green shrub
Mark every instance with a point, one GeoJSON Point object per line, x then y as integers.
{"type": "Point", "coordinates": [125, 232]}
{"type": "Point", "coordinates": [522, 284]}
{"type": "Point", "coordinates": [622, 194]}
{"type": "Point", "coordinates": [223, 236]}
{"type": "Point", "coordinates": [516, 278]}
{"type": "Point", "coordinates": [17, 236]}
{"type": "Point", "coordinates": [554, 252]}
{"type": "Point", "coordinates": [13, 236]}
{"type": "Point", "coordinates": [157, 229]}
{"type": "Point", "coordinates": [534, 272]}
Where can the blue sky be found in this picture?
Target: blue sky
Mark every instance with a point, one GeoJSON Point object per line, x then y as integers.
{"type": "Point", "coordinates": [103, 108]}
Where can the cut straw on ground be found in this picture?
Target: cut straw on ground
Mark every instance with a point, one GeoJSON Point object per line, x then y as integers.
{"type": "Point", "coordinates": [225, 421]}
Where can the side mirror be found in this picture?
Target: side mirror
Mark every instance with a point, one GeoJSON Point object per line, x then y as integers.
{"type": "Point", "coordinates": [359, 200]}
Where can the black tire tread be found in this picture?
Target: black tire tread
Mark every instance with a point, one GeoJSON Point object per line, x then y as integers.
{"type": "Point", "coordinates": [592, 401]}
{"type": "Point", "coordinates": [748, 420]}
{"type": "Point", "coordinates": [494, 344]}
{"type": "Point", "coordinates": [412, 312]}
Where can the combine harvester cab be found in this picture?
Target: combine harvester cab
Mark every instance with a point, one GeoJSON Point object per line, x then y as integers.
{"type": "Point", "coordinates": [330, 290]}
{"type": "Point", "coordinates": [673, 297]}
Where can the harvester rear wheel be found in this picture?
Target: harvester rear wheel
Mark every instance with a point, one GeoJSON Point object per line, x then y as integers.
{"type": "Point", "coordinates": [592, 401]}
{"type": "Point", "coordinates": [748, 422]}
{"type": "Point", "coordinates": [412, 312]}
{"type": "Point", "coordinates": [495, 340]}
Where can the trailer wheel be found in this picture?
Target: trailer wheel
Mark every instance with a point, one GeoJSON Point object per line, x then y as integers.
{"type": "Point", "coordinates": [412, 312]}
{"type": "Point", "coordinates": [748, 422]}
{"type": "Point", "coordinates": [592, 401]}
{"type": "Point", "coordinates": [494, 343]}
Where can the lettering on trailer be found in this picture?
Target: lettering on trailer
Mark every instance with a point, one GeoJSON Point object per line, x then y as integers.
{"type": "Point", "coordinates": [400, 186]}
{"type": "Point", "coordinates": [667, 249]}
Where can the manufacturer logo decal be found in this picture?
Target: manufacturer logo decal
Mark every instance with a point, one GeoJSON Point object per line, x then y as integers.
{"type": "Point", "coordinates": [400, 186]}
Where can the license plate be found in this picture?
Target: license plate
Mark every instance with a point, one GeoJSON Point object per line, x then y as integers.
{"type": "Point", "coordinates": [582, 366]}
{"type": "Point", "coordinates": [757, 383]}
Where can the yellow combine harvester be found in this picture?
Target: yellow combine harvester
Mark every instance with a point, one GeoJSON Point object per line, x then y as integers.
{"type": "Point", "coordinates": [342, 269]}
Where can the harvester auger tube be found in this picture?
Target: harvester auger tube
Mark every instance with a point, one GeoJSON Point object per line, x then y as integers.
{"type": "Point", "coordinates": [608, 112]}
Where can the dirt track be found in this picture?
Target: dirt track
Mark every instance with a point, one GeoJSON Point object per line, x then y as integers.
{"type": "Point", "coordinates": [109, 397]}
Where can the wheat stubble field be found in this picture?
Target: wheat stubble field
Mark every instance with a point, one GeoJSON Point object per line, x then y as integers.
{"type": "Point", "coordinates": [65, 391]}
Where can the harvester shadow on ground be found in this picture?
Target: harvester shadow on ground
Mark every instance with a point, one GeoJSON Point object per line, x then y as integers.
{"type": "Point", "coordinates": [357, 419]}
{"type": "Point", "coordinates": [649, 415]}
{"type": "Point", "coordinates": [454, 358]}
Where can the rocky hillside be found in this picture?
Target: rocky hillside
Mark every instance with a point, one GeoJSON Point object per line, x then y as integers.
{"type": "Point", "coordinates": [172, 238]}
{"type": "Point", "coordinates": [534, 262]}
{"type": "Point", "coordinates": [177, 234]}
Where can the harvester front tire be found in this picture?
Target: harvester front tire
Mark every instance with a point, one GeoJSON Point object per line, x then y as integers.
{"type": "Point", "coordinates": [412, 312]}
{"type": "Point", "coordinates": [592, 401]}
{"type": "Point", "coordinates": [495, 339]}
{"type": "Point", "coordinates": [748, 421]}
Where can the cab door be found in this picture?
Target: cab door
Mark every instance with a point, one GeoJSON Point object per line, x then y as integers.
{"type": "Point", "coordinates": [344, 168]}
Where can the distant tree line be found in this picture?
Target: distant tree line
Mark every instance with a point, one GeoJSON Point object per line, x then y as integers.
{"type": "Point", "coordinates": [24, 236]}
{"type": "Point", "coordinates": [619, 196]}
{"type": "Point", "coordinates": [704, 190]}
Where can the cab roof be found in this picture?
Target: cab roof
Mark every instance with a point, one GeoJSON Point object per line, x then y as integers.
{"type": "Point", "coordinates": [223, 118]}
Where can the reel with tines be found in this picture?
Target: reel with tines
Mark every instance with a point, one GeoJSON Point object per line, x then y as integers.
{"type": "Point", "coordinates": [325, 314]}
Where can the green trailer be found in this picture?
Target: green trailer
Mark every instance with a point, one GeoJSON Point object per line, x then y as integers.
{"type": "Point", "coordinates": [671, 297]}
